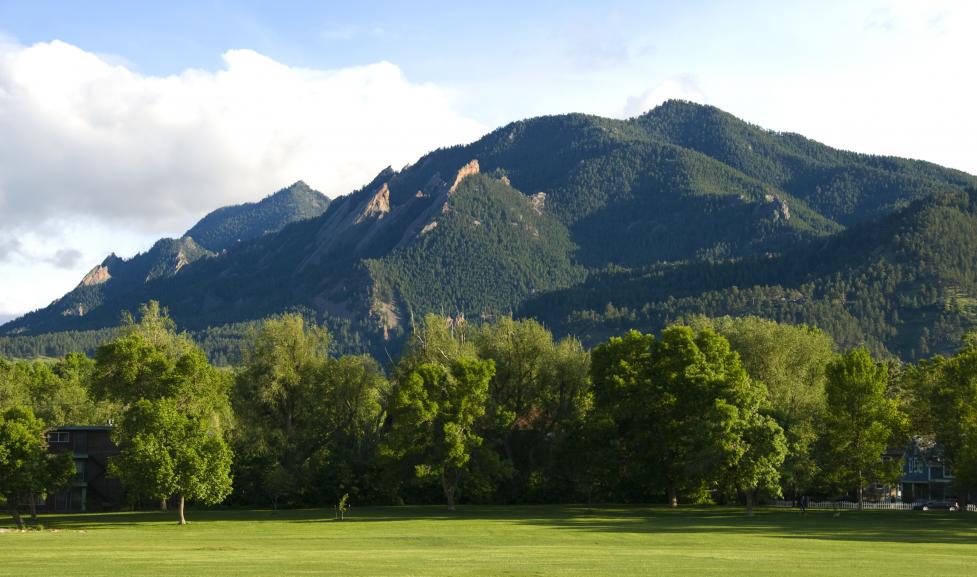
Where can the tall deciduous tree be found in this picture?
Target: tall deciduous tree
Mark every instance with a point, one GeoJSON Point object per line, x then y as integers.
{"type": "Point", "coordinates": [310, 423]}
{"type": "Point", "coordinates": [434, 409]}
{"type": "Point", "coordinates": [861, 422]}
{"type": "Point", "coordinates": [790, 360]}
{"type": "Point", "coordinates": [685, 408]}
{"type": "Point", "coordinates": [540, 390]}
{"type": "Point", "coordinates": [175, 412]}
{"type": "Point", "coordinates": [26, 467]}
{"type": "Point", "coordinates": [947, 390]}
{"type": "Point", "coordinates": [166, 451]}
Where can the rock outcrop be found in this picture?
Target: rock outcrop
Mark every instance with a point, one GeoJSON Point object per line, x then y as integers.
{"type": "Point", "coordinates": [96, 276]}
{"type": "Point", "coordinates": [377, 207]}
{"type": "Point", "coordinates": [774, 208]}
{"type": "Point", "coordinates": [464, 172]}
{"type": "Point", "coordinates": [538, 202]}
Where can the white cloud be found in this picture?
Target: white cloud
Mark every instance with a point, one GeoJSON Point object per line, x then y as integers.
{"type": "Point", "coordinates": [88, 139]}
{"type": "Point", "coordinates": [85, 136]}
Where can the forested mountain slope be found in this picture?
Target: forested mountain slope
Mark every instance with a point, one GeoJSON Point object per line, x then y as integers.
{"type": "Point", "coordinates": [115, 278]}
{"type": "Point", "coordinates": [227, 226]}
{"type": "Point", "coordinates": [535, 207]}
{"type": "Point", "coordinates": [904, 285]}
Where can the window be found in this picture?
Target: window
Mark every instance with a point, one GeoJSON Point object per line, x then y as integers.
{"type": "Point", "coordinates": [58, 437]}
{"type": "Point", "coordinates": [79, 470]}
{"type": "Point", "coordinates": [81, 442]}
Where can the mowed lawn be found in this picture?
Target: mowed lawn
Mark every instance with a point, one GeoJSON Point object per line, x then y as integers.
{"type": "Point", "coordinates": [612, 541]}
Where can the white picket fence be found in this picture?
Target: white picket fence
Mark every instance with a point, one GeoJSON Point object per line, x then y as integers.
{"type": "Point", "coordinates": [834, 505]}
{"type": "Point", "coordinates": [868, 506]}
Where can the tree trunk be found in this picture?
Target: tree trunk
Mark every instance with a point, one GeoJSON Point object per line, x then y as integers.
{"type": "Point", "coordinates": [33, 507]}
{"type": "Point", "coordinates": [860, 491]}
{"type": "Point", "coordinates": [672, 494]}
{"type": "Point", "coordinates": [162, 504]}
{"type": "Point", "coordinates": [749, 501]}
{"type": "Point", "coordinates": [183, 519]}
{"type": "Point", "coordinates": [15, 513]}
{"type": "Point", "coordinates": [449, 489]}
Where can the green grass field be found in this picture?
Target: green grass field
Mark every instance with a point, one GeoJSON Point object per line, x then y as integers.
{"type": "Point", "coordinates": [612, 541]}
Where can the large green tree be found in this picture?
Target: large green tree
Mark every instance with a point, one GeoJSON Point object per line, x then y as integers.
{"type": "Point", "coordinates": [686, 412]}
{"type": "Point", "coordinates": [167, 451]}
{"type": "Point", "coordinates": [433, 409]}
{"type": "Point", "coordinates": [790, 360]}
{"type": "Point", "coordinates": [946, 390]}
{"type": "Point", "coordinates": [27, 469]}
{"type": "Point", "coordinates": [861, 422]}
{"type": "Point", "coordinates": [56, 391]}
{"type": "Point", "coordinates": [539, 393]}
{"type": "Point", "coordinates": [160, 381]}
{"type": "Point", "coordinates": [309, 423]}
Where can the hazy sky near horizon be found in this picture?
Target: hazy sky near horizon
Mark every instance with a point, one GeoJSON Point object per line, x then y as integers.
{"type": "Point", "coordinates": [121, 122]}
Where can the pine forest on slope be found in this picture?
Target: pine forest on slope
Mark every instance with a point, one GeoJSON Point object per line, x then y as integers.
{"type": "Point", "coordinates": [593, 225]}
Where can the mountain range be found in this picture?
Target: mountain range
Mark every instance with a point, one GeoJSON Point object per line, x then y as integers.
{"type": "Point", "coordinates": [594, 225]}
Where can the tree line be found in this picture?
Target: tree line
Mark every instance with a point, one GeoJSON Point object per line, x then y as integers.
{"type": "Point", "coordinates": [715, 410]}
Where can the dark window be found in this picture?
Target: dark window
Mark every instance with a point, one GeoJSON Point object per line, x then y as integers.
{"type": "Point", "coordinates": [58, 437]}
{"type": "Point", "coordinates": [81, 442]}
{"type": "Point", "coordinates": [79, 470]}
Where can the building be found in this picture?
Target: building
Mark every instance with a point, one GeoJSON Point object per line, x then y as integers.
{"type": "Point", "coordinates": [91, 489]}
{"type": "Point", "coordinates": [925, 476]}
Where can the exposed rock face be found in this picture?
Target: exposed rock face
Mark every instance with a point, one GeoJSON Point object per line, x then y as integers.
{"type": "Point", "coordinates": [377, 207]}
{"type": "Point", "coordinates": [429, 227]}
{"type": "Point", "coordinates": [96, 276]}
{"type": "Point", "coordinates": [465, 171]}
{"type": "Point", "coordinates": [78, 311]}
{"type": "Point", "coordinates": [538, 201]}
{"type": "Point", "coordinates": [774, 208]}
{"type": "Point", "coordinates": [386, 315]}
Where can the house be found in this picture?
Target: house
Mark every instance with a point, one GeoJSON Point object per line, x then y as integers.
{"type": "Point", "coordinates": [91, 489]}
{"type": "Point", "coordinates": [925, 475]}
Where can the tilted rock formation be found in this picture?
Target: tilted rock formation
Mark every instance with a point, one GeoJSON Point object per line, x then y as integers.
{"type": "Point", "coordinates": [377, 207]}
{"type": "Point", "coordinates": [96, 276]}
{"type": "Point", "coordinates": [465, 171]}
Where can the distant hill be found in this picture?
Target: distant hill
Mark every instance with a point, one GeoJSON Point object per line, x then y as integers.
{"type": "Point", "coordinates": [115, 277]}
{"type": "Point", "coordinates": [561, 216]}
{"type": "Point", "coordinates": [227, 226]}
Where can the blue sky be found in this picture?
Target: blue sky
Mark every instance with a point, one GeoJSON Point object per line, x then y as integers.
{"type": "Point", "coordinates": [127, 121]}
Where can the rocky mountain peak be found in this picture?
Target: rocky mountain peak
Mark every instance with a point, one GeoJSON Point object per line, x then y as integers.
{"type": "Point", "coordinates": [464, 172]}
{"type": "Point", "coordinates": [377, 207]}
{"type": "Point", "coordinates": [98, 275]}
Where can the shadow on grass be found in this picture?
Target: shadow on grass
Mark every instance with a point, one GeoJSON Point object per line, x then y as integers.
{"type": "Point", "coordinates": [867, 526]}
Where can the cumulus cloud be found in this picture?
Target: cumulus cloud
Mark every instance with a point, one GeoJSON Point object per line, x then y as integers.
{"type": "Point", "coordinates": [680, 87]}
{"type": "Point", "coordinates": [95, 157]}
{"type": "Point", "coordinates": [85, 136]}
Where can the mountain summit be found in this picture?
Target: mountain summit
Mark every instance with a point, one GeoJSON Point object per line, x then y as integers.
{"type": "Point", "coordinates": [548, 205]}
